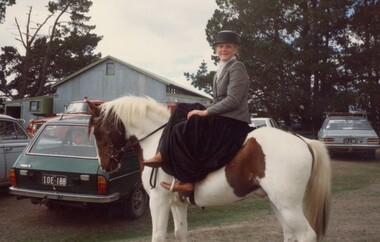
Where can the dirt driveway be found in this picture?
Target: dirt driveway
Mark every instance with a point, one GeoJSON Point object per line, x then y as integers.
{"type": "Point", "coordinates": [355, 216]}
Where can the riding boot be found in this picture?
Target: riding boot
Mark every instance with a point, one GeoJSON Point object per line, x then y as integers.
{"type": "Point", "coordinates": [155, 161]}
{"type": "Point", "coordinates": [178, 187]}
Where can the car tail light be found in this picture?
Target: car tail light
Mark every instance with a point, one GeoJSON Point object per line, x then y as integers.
{"type": "Point", "coordinates": [328, 140]}
{"type": "Point", "coordinates": [373, 140]}
{"type": "Point", "coordinates": [12, 177]}
{"type": "Point", "coordinates": [102, 185]}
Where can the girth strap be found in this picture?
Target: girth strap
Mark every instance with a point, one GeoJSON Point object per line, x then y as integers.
{"type": "Point", "coordinates": [192, 199]}
{"type": "Point", "coordinates": [153, 178]}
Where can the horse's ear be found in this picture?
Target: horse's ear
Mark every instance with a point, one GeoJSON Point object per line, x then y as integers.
{"type": "Point", "coordinates": [93, 109]}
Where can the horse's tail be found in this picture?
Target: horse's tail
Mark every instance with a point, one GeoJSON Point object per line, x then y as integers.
{"type": "Point", "coordinates": [319, 189]}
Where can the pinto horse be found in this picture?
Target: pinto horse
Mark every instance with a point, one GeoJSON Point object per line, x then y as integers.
{"type": "Point", "coordinates": [270, 163]}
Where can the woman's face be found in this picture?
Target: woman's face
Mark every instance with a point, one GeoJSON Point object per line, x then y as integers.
{"type": "Point", "coordinates": [226, 50]}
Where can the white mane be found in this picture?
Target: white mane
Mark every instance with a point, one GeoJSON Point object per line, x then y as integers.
{"type": "Point", "coordinates": [138, 114]}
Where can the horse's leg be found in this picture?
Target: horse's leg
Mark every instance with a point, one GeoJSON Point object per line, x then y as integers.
{"type": "Point", "coordinates": [287, 232]}
{"type": "Point", "coordinates": [291, 213]}
{"type": "Point", "coordinates": [160, 202]}
{"type": "Point", "coordinates": [287, 203]}
{"type": "Point", "coordinates": [179, 211]}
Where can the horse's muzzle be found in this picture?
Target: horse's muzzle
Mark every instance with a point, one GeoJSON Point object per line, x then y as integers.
{"type": "Point", "coordinates": [112, 166]}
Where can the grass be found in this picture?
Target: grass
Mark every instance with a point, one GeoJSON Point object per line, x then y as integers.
{"type": "Point", "coordinates": [251, 208]}
{"type": "Point", "coordinates": [357, 180]}
{"type": "Point", "coordinates": [248, 209]}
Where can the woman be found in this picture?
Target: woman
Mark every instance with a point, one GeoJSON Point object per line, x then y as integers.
{"type": "Point", "coordinates": [199, 140]}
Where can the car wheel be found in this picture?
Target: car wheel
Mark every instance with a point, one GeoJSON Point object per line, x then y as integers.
{"type": "Point", "coordinates": [136, 203]}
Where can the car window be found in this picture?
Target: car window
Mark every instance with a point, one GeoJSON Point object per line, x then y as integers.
{"type": "Point", "coordinates": [348, 124]}
{"type": "Point", "coordinates": [259, 123]}
{"type": "Point", "coordinates": [10, 130]}
{"type": "Point", "coordinates": [80, 107]}
{"type": "Point", "coordinates": [64, 140]}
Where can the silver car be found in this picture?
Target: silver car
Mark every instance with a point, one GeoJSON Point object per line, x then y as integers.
{"type": "Point", "coordinates": [350, 134]}
{"type": "Point", "coordinates": [259, 122]}
{"type": "Point", "coordinates": [13, 140]}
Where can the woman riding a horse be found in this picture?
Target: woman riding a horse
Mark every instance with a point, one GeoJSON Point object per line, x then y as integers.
{"type": "Point", "coordinates": [293, 172]}
{"type": "Point", "coordinates": [199, 140]}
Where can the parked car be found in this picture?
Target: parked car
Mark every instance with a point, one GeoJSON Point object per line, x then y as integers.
{"type": "Point", "coordinates": [13, 140]}
{"type": "Point", "coordinates": [76, 107]}
{"type": "Point", "coordinates": [263, 122]}
{"type": "Point", "coordinates": [60, 168]}
{"type": "Point", "coordinates": [349, 133]}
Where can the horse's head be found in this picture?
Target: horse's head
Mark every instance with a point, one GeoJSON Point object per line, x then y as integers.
{"type": "Point", "coordinates": [110, 139]}
{"type": "Point", "coordinates": [122, 123]}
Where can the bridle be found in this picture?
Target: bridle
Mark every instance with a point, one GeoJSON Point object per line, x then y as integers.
{"type": "Point", "coordinates": [117, 152]}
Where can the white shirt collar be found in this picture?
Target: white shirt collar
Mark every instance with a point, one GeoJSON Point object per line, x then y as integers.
{"type": "Point", "coordinates": [222, 64]}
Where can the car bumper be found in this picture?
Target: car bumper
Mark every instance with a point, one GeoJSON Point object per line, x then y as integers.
{"type": "Point", "coordinates": [352, 147]}
{"type": "Point", "coordinates": [61, 196]}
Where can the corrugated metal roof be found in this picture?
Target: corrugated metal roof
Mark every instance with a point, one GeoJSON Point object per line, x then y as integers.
{"type": "Point", "coordinates": [145, 72]}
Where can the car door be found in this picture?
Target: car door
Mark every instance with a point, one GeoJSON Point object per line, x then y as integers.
{"type": "Point", "coordinates": [3, 169]}
{"type": "Point", "coordinates": [13, 140]}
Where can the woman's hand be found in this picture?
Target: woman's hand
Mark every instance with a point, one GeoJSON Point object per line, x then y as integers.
{"type": "Point", "coordinates": [197, 112]}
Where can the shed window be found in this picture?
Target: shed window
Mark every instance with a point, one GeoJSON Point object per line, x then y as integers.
{"type": "Point", "coordinates": [110, 68]}
{"type": "Point", "coordinates": [34, 106]}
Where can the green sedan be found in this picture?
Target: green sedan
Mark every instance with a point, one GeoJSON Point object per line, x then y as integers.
{"type": "Point", "coordinates": [60, 168]}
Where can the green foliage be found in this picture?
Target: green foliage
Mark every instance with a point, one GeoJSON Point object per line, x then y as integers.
{"type": "Point", "coordinates": [203, 79]}
{"type": "Point", "coordinates": [69, 46]}
{"type": "Point", "coordinates": [305, 57]}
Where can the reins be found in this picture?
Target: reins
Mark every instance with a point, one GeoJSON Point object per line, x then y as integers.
{"type": "Point", "coordinates": [150, 134]}
{"type": "Point", "coordinates": [129, 144]}
{"type": "Point", "coordinates": [153, 174]}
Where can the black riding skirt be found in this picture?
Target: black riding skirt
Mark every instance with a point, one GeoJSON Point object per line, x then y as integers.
{"type": "Point", "coordinates": [193, 148]}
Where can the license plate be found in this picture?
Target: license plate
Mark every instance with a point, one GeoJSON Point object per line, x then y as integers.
{"type": "Point", "coordinates": [54, 180]}
{"type": "Point", "coordinates": [350, 141]}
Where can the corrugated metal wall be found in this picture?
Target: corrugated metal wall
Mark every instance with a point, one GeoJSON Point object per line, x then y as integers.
{"type": "Point", "coordinates": [96, 84]}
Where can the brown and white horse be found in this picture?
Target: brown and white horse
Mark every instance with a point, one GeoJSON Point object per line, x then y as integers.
{"type": "Point", "coordinates": [271, 163]}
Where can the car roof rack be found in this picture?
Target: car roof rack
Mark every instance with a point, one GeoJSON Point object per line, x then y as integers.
{"type": "Point", "coordinates": [354, 113]}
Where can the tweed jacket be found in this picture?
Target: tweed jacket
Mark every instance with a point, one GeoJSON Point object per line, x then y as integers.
{"type": "Point", "coordinates": [231, 93]}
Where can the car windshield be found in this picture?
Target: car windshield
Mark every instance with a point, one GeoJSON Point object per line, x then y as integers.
{"type": "Point", "coordinates": [80, 107]}
{"type": "Point", "coordinates": [64, 140]}
{"type": "Point", "coordinates": [348, 124]}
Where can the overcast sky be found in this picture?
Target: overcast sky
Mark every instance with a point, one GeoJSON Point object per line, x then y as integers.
{"type": "Point", "coordinates": [166, 37]}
